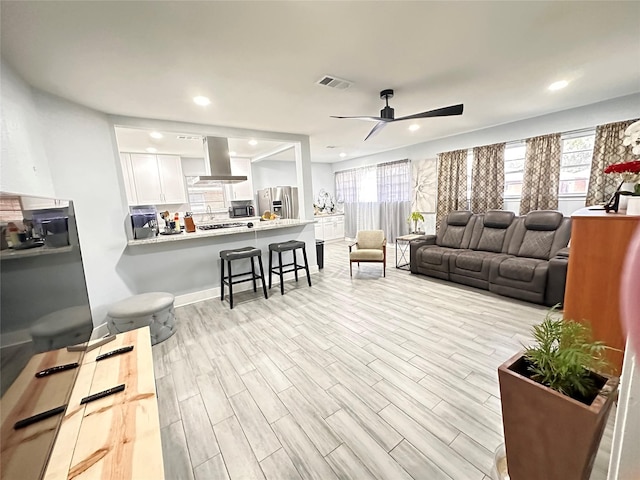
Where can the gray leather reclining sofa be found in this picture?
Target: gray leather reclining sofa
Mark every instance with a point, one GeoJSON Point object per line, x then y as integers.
{"type": "Point", "coordinates": [520, 257]}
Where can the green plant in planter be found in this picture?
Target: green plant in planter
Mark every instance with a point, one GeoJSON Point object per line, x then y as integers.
{"type": "Point", "coordinates": [565, 357]}
{"type": "Point", "coordinates": [636, 190]}
{"type": "Point", "coordinates": [415, 217]}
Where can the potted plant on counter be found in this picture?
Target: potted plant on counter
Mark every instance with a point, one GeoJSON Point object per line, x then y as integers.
{"type": "Point", "coordinates": [415, 217]}
{"type": "Point", "coordinates": [555, 402]}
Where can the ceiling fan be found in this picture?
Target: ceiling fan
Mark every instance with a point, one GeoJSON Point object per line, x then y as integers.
{"type": "Point", "coordinates": [387, 113]}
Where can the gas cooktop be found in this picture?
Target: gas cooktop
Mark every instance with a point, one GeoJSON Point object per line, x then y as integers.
{"type": "Point", "coordinates": [215, 226]}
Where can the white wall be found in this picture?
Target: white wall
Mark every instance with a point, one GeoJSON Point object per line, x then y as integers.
{"type": "Point", "coordinates": [272, 173]}
{"type": "Point", "coordinates": [25, 167]}
{"type": "Point", "coordinates": [323, 178]}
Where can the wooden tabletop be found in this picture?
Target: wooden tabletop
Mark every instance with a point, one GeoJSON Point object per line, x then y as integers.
{"type": "Point", "coordinates": [116, 437]}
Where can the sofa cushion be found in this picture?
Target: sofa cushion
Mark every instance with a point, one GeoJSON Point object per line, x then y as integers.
{"type": "Point", "coordinates": [498, 219]}
{"type": "Point", "coordinates": [459, 218]}
{"type": "Point", "coordinates": [536, 244]}
{"type": "Point", "coordinates": [543, 220]}
{"type": "Point", "coordinates": [521, 269]}
{"type": "Point", "coordinates": [435, 255]}
{"type": "Point", "coordinates": [452, 237]}
{"type": "Point", "coordinates": [492, 240]}
{"type": "Point", "coordinates": [469, 260]}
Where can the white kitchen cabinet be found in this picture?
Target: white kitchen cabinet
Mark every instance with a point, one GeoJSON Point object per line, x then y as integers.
{"type": "Point", "coordinates": [154, 179]}
{"type": "Point", "coordinates": [129, 185]}
{"type": "Point", "coordinates": [171, 179]}
{"type": "Point", "coordinates": [330, 227]}
{"type": "Point", "coordinates": [242, 190]}
{"type": "Point", "coordinates": [338, 227]}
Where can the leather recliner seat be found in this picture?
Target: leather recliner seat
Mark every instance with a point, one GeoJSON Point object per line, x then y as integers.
{"type": "Point", "coordinates": [521, 257]}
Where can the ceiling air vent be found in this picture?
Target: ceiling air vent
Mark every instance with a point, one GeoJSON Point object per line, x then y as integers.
{"type": "Point", "coordinates": [334, 82]}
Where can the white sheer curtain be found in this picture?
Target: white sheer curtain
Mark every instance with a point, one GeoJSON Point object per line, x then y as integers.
{"type": "Point", "coordinates": [376, 197]}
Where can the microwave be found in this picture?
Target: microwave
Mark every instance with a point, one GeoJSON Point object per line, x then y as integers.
{"type": "Point", "coordinates": [242, 211]}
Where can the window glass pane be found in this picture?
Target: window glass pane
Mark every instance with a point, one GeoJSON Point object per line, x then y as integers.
{"type": "Point", "coordinates": [513, 152]}
{"type": "Point", "coordinates": [575, 164]}
{"type": "Point", "coordinates": [514, 169]}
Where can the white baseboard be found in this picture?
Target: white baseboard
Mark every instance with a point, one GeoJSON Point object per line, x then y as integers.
{"type": "Point", "coordinates": [15, 338]}
{"type": "Point", "coordinates": [210, 293]}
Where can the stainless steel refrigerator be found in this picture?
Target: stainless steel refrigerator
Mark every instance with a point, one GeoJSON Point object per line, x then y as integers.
{"type": "Point", "coordinates": [282, 201]}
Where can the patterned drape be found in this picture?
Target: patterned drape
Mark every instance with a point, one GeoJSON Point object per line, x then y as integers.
{"type": "Point", "coordinates": [607, 150]}
{"type": "Point", "coordinates": [452, 183]}
{"type": "Point", "coordinates": [541, 174]}
{"type": "Point", "coordinates": [487, 178]}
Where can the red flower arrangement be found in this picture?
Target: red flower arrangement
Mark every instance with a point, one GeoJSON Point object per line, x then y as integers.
{"type": "Point", "coordinates": [628, 170]}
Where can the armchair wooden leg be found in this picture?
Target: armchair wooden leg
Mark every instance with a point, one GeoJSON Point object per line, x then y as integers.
{"type": "Point", "coordinates": [350, 269]}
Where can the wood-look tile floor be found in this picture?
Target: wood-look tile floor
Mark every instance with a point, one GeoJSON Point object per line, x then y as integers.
{"type": "Point", "coordinates": [353, 378]}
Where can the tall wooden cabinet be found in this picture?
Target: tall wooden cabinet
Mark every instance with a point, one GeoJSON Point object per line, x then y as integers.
{"type": "Point", "coordinates": [599, 243]}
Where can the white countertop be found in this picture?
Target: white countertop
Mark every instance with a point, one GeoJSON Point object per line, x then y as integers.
{"type": "Point", "coordinates": [258, 226]}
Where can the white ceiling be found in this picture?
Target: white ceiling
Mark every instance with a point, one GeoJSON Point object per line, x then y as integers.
{"type": "Point", "coordinates": [259, 61]}
{"type": "Point", "coordinates": [138, 140]}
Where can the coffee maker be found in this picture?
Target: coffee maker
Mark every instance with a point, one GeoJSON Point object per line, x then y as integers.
{"type": "Point", "coordinates": [144, 220]}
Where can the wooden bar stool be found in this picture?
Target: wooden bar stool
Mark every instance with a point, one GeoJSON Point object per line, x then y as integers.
{"type": "Point", "coordinates": [231, 279]}
{"type": "Point", "coordinates": [291, 245]}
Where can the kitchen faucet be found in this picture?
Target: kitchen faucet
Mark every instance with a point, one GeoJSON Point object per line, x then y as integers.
{"type": "Point", "coordinates": [209, 212]}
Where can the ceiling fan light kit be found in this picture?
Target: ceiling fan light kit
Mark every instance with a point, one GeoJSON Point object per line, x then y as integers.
{"type": "Point", "coordinates": [387, 114]}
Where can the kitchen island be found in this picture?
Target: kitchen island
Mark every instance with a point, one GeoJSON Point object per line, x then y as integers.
{"type": "Point", "coordinates": [188, 264]}
{"type": "Point", "coordinates": [258, 226]}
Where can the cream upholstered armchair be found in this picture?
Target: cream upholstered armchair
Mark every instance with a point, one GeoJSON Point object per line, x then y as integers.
{"type": "Point", "coordinates": [371, 247]}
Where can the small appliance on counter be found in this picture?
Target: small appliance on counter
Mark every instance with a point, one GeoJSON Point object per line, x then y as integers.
{"type": "Point", "coordinates": [144, 220]}
{"type": "Point", "coordinates": [241, 208]}
{"type": "Point", "coordinates": [52, 225]}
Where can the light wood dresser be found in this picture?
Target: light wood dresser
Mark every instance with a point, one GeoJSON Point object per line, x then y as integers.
{"type": "Point", "coordinates": [115, 437]}
{"type": "Point", "coordinates": [599, 243]}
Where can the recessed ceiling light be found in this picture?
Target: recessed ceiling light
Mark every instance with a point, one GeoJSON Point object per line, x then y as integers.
{"type": "Point", "coordinates": [232, 154]}
{"type": "Point", "coordinates": [156, 135]}
{"type": "Point", "coordinates": [558, 85]}
{"type": "Point", "coordinates": [342, 155]}
{"type": "Point", "coordinates": [200, 100]}
{"type": "Point", "coordinates": [253, 142]}
{"type": "Point", "coordinates": [152, 150]}
{"type": "Point", "coordinates": [413, 127]}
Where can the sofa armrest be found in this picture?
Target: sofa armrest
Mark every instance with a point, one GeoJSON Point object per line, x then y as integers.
{"type": "Point", "coordinates": [414, 245]}
{"type": "Point", "coordinates": [556, 278]}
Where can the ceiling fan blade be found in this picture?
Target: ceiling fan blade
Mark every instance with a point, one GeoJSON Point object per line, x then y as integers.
{"type": "Point", "coordinates": [376, 129]}
{"type": "Point", "coordinates": [439, 112]}
{"type": "Point", "coordinates": [370, 119]}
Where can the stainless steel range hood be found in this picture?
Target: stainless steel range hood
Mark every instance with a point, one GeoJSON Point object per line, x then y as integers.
{"type": "Point", "coordinates": [216, 153]}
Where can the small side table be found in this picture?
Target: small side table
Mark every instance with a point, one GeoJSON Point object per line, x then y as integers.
{"type": "Point", "coordinates": [402, 247]}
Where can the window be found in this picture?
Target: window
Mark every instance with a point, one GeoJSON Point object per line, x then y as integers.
{"type": "Point", "coordinates": [206, 199]}
{"type": "Point", "coordinates": [575, 165]}
{"type": "Point", "coordinates": [10, 208]}
{"type": "Point", "coordinates": [514, 168]}
{"type": "Point", "coordinates": [387, 182]}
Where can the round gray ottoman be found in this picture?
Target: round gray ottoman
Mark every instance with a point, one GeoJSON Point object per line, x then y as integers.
{"type": "Point", "coordinates": [153, 309]}
{"type": "Point", "coordinates": [62, 328]}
